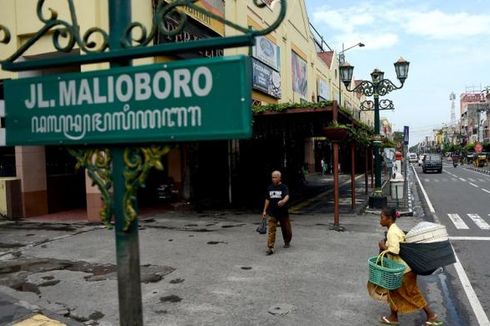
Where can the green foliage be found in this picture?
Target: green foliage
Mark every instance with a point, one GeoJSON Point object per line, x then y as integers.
{"type": "Point", "coordinates": [361, 136]}
{"type": "Point", "coordinates": [387, 143]}
{"type": "Point", "coordinates": [345, 111]}
{"type": "Point", "coordinates": [398, 136]}
{"type": "Point", "coordinates": [361, 132]}
{"type": "Point", "coordinates": [486, 147]}
{"type": "Point", "coordinates": [287, 106]}
{"type": "Point", "coordinates": [470, 147]}
{"type": "Point", "coordinates": [366, 127]}
{"type": "Point", "coordinates": [336, 124]}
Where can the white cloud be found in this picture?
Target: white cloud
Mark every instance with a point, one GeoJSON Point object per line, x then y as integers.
{"type": "Point", "coordinates": [346, 19]}
{"type": "Point", "coordinates": [387, 21]}
{"type": "Point", "coordinates": [439, 25]}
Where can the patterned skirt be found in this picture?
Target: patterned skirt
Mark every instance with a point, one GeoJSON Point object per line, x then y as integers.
{"type": "Point", "coordinates": [408, 297]}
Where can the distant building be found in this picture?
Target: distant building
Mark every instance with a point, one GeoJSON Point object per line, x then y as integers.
{"type": "Point", "coordinates": [386, 128]}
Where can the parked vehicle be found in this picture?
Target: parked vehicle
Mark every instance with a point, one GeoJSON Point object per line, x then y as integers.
{"type": "Point", "coordinates": [480, 160]}
{"type": "Point", "coordinates": [432, 162]}
{"type": "Point", "coordinates": [412, 157]}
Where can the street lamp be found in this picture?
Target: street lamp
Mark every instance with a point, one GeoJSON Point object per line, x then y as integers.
{"type": "Point", "coordinates": [378, 86]}
{"type": "Point", "coordinates": [341, 61]}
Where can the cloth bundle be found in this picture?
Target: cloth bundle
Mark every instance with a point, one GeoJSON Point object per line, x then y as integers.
{"type": "Point", "coordinates": [427, 248]}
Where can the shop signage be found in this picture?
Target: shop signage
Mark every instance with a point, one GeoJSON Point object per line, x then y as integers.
{"type": "Point", "coordinates": [217, 7]}
{"type": "Point", "coordinates": [192, 31]}
{"type": "Point", "coordinates": [266, 79]}
{"type": "Point", "coordinates": [299, 75]}
{"type": "Point", "coordinates": [177, 101]}
{"type": "Point", "coordinates": [267, 52]}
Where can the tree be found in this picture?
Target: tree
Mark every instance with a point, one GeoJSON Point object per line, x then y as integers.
{"type": "Point", "coordinates": [398, 137]}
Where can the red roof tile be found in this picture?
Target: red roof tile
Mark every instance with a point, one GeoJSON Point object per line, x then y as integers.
{"type": "Point", "coordinates": [326, 57]}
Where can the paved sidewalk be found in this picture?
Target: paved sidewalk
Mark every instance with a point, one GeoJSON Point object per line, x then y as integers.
{"type": "Point", "coordinates": [220, 275]}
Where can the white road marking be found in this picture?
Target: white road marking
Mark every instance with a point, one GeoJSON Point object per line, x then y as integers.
{"type": "Point", "coordinates": [485, 190]}
{"type": "Point", "coordinates": [469, 238]}
{"type": "Point", "coordinates": [465, 282]}
{"type": "Point", "coordinates": [474, 185]}
{"type": "Point", "coordinates": [436, 180]}
{"type": "Point", "coordinates": [431, 208]}
{"type": "Point", "coordinates": [426, 180]}
{"type": "Point", "coordinates": [481, 317]}
{"type": "Point", "coordinates": [458, 222]}
{"type": "Point", "coordinates": [472, 180]}
{"type": "Point", "coordinates": [481, 223]}
{"type": "Point", "coordinates": [462, 179]}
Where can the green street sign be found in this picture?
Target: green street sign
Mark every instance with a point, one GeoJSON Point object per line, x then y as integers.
{"type": "Point", "coordinates": [189, 100]}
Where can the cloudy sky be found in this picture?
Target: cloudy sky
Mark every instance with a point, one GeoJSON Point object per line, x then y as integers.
{"type": "Point", "coordinates": [446, 41]}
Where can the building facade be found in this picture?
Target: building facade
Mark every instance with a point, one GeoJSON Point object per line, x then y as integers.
{"type": "Point", "coordinates": [287, 68]}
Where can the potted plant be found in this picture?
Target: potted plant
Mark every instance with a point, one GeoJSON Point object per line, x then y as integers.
{"type": "Point", "coordinates": [336, 131]}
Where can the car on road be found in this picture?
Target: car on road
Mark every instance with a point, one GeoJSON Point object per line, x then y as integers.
{"type": "Point", "coordinates": [412, 157]}
{"type": "Point", "coordinates": [432, 162]}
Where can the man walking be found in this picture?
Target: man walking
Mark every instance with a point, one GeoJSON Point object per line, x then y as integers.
{"type": "Point", "coordinates": [276, 206]}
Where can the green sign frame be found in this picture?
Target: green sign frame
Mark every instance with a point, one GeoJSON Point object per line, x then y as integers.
{"type": "Point", "coordinates": [201, 99]}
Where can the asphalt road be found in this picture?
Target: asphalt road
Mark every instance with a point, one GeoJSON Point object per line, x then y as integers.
{"type": "Point", "coordinates": [460, 200]}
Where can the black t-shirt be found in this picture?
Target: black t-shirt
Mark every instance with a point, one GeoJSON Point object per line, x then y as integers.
{"type": "Point", "coordinates": [274, 194]}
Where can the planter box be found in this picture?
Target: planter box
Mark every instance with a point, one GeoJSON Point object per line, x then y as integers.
{"type": "Point", "coordinates": [336, 134]}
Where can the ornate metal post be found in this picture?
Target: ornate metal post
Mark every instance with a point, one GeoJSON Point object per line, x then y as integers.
{"type": "Point", "coordinates": [353, 175]}
{"type": "Point", "coordinates": [366, 170]}
{"type": "Point", "coordinates": [127, 242]}
{"type": "Point", "coordinates": [377, 156]}
{"type": "Point", "coordinates": [379, 86]}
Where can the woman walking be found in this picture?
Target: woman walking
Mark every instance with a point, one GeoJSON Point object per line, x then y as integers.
{"type": "Point", "coordinates": [408, 297]}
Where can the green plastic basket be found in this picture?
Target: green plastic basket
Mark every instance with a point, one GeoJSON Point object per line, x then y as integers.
{"type": "Point", "coordinates": [385, 272]}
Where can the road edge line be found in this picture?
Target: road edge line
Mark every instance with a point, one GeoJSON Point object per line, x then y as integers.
{"type": "Point", "coordinates": [465, 282]}
{"type": "Point", "coordinates": [431, 208]}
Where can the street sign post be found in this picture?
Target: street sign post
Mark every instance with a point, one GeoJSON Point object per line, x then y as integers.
{"type": "Point", "coordinates": [405, 135]}
{"type": "Point", "coordinates": [198, 99]}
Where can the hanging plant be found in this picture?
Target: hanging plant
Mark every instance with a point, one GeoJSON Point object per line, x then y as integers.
{"type": "Point", "coordinates": [361, 136]}
{"type": "Point", "coordinates": [279, 107]}
{"type": "Point", "coordinates": [337, 132]}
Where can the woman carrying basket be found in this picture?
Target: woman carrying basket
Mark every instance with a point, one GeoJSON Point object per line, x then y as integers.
{"type": "Point", "coordinates": [408, 297]}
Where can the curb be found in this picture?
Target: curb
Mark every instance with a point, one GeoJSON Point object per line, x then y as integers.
{"type": "Point", "coordinates": [484, 171]}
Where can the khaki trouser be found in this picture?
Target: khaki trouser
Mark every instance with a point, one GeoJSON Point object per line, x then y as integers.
{"type": "Point", "coordinates": [285, 229]}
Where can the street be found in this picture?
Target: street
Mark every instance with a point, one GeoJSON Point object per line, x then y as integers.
{"type": "Point", "coordinates": [459, 198]}
{"type": "Point", "coordinates": [210, 268]}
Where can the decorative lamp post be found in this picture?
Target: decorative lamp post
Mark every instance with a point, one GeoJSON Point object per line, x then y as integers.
{"type": "Point", "coordinates": [378, 86]}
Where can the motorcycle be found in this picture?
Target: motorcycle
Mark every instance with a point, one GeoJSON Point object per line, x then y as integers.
{"type": "Point", "coordinates": [455, 161]}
